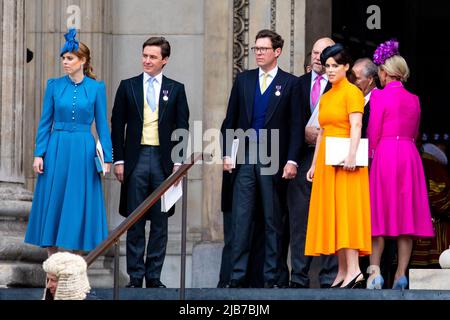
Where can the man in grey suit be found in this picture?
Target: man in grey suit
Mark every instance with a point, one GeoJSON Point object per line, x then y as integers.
{"type": "Point", "coordinates": [311, 85]}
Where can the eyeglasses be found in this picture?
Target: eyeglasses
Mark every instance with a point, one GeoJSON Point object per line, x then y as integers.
{"type": "Point", "coordinates": [260, 49]}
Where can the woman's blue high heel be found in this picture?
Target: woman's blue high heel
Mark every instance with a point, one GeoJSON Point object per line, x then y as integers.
{"type": "Point", "coordinates": [401, 283]}
{"type": "Point", "coordinates": [375, 280]}
{"type": "Point", "coordinates": [376, 283]}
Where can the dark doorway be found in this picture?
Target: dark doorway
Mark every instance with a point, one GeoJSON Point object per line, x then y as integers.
{"type": "Point", "coordinates": [421, 27]}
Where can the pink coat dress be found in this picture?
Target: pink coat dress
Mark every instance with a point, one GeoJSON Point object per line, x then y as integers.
{"type": "Point", "coordinates": [398, 192]}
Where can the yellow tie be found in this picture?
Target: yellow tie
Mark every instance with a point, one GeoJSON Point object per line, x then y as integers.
{"type": "Point", "coordinates": [264, 82]}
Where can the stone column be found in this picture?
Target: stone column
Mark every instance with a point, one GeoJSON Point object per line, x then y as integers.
{"type": "Point", "coordinates": [318, 21]}
{"type": "Point", "coordinates": [286, 17]}
{"type": "Point", "coordinates": [17, 261]}
{"type": "Point", "coordinates": [12, 78]}
{"type": "Point", "coordinates": [218, 73]}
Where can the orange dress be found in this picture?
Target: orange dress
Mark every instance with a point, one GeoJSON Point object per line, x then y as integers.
{"type": "Point", "coordinates": [339, 210]}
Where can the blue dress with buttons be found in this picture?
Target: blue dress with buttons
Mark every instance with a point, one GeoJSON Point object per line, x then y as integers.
{"type": "Point", "coordinates": [68, 209]}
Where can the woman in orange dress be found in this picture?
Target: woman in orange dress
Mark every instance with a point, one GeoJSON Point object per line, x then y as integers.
{"type": "Point", "coordinates": [339, 212]}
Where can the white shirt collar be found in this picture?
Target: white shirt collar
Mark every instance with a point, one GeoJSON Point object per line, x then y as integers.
{"type": "Point", "coordinates": [272, 73]}
{"type": "Point", "coordinates": [314, 75]}
{"type": "Point", "coordinates": [158, 77]}
{"type": "Point", "coordinates": [367, 96]}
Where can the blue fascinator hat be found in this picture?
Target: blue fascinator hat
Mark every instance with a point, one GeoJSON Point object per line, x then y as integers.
{"type": "Point", "coordinates": [71, 44]}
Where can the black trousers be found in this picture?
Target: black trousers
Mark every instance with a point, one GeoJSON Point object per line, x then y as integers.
{"type": "Point", "coordinates": [145, 178]}
{"type": "Point", "coordinates": [225, 265]}
{"type": "Point", "coordinates": [299, 193]}
{"type": "Point", "coordinates": [248, 185]}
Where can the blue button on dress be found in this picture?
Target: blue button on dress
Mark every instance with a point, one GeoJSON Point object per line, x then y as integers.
{"type": "Point", "coordinates": [68, 209]}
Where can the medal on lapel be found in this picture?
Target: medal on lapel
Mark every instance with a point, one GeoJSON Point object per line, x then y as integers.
{"type": "Point", "coordinates": [278, 93]}
{"type": "Point", "coordinates": [165, 93]}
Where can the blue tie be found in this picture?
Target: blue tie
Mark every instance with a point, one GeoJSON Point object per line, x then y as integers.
{"type": "Point", "coordinates": [151, 94]}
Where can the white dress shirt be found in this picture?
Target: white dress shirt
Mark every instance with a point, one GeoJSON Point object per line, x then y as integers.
{"type": "Point", "coordinates": [271, 75]}
{"type": "Point", "coordinates": [367, 97]}
{"type": "Point", "coordinates": [157, 89]}
{"type": "Point", "coordinates": [156, 85]}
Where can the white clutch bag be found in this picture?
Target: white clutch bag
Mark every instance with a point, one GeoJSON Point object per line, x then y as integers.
{"type": "Point", "coordinates": [99, 160]}
{"type": "Point", "coordinates": [336, 150]}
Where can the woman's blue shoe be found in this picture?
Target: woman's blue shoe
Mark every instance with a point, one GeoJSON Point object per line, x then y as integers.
{"type": "Point", "coordinates": [375, 280]}
{"type": "Point", "coordinates": [376, 283]}
{"type": "Point", "coordinates": [401, 283]}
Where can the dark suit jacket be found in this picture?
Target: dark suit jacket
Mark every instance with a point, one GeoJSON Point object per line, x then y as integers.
{"type": "Point", "coordinates": [304, 85]}
{"type": "Point", "coordinates": [127, 123]}
{"type": "Point", "coordinates": [283, 113]}
{"type": "Point", "coordinates": [365, 120]}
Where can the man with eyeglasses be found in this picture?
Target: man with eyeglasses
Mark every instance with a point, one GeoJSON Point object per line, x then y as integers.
{"type": "Point", "coordinates": [264, 102]}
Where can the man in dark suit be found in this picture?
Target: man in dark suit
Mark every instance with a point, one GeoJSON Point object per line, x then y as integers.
{"type": "Point", "coordinates": [264, 104]}
{"type": "Point", "coordinates": [147, 109]}
{"type": "Point", "coordinates": [311, 85]}
{"type": "Point", "coordinates": [366, 75]}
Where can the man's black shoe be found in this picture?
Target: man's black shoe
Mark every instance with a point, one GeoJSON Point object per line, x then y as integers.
{"type": "Point", "coordinates": [283, 284]}
{"type": "Point", "coordinates": [325, 285]}
{"type": "Point", "coordinates": [270, 285]}
{"type": "Point", "coordinates": [235, 284]}
{"type": "Point", "coordinates": [296, 285]}
{"type": "Point", "coordinates": [154, 283]}
{"type": "Point", "coordinates": [134, 284]}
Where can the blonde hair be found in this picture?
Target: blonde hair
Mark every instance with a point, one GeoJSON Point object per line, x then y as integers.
{"type": "Point", "coordinates": [396, 67]}
{"type": "Point", "coordinates": [70, 269]}
{"type": "Point", "coordinates": [84, 52]}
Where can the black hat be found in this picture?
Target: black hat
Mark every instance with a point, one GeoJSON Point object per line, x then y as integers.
{"type": "Point", "coordinates": [330, 51]}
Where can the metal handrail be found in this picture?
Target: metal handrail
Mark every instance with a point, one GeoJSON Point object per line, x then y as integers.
{"type": "Point", "coordinates": [114, 237]}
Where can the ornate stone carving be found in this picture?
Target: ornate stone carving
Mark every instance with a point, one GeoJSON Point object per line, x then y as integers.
{"type": "Point", "coordinates": [273, 15]}
{"type": "Point", "coordinates": [292, 44]}
{"type": "Point", "coordinates": [240, 36]}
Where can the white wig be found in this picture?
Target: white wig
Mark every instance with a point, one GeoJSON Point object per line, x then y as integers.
{"type": "Point", "coordinates": [70, 269]}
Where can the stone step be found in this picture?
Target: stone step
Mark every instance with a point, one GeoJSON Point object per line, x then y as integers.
{"type": "Point", "coordinates": [429, 279]}
{"type": "Point", "coordinates": [17, 274]}
{"type": "Point", "coordinates": [241, 294]}
{"type": "Point", "coordinates": [13, 248]}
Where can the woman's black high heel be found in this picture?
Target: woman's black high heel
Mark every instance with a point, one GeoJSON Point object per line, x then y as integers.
{"type": "Point", "coordinates": [337, 285]}
{"type": "Point", "coordinates": [355, 283]}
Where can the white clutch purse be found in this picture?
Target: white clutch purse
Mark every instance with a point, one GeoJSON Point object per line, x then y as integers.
{"type": "Point", "coordinates": [99, 160]}
{"type": "Point", "coordinates": [336, 150]}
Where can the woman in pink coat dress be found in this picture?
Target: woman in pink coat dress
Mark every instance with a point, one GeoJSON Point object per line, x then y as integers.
{"type": "Point", "coordinates": [398, 192]}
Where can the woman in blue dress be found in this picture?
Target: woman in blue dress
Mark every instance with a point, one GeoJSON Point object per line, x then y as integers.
{"type": "Point", "coordinates": [68, 209]}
